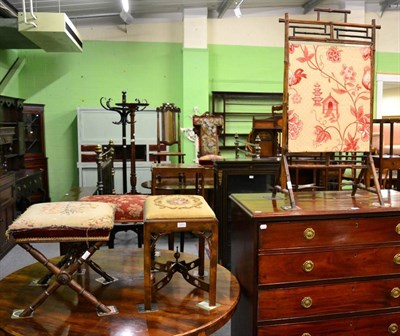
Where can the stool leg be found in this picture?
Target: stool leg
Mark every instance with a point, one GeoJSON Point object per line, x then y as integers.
{"type": "Point", "coordinates": [27, 312]}
{"type": "Point", "coordinates": [182, 241]}
{"type": "Point", "coordinates": [64, 277]}
{"type": "Point", "coordinates": [201, 254]}
{"type": "Point", "coordinates": [147, 242]}
{"type": "Point", "coordinates": [213, 265]}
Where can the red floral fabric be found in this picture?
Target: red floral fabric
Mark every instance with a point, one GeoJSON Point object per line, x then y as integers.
{"type": "Point", "coordinates": [329, 98]}
{"type": "Point", "coordinates": [129, 207]}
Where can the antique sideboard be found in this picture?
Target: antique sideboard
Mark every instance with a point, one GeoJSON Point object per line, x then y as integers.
{"type": "Point", "coordinates": [330, 267]}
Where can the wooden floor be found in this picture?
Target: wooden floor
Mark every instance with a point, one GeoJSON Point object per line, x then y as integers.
{"type": "Point", "coordinates": [64, 313]}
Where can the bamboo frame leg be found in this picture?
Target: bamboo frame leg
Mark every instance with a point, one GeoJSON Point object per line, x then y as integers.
{"type": "Point", "coordinates": [64, 277]}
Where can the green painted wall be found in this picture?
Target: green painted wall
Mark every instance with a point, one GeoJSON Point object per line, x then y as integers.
{"type": "Point", "coordinates": [158, 72]}
{"type": "Point", "coordinates": [387, 62]}
{"type": "Point", "coordinates": [64, 82]}
{"type": "Point", "coordinates": [248, 69]}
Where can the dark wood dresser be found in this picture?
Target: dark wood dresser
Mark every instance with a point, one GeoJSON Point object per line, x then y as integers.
{"type": "Point", "coordinates": [330, 267]}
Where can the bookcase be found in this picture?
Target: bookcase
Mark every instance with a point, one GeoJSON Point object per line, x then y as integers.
{"type": "Point", "coordinates": [238, 110]}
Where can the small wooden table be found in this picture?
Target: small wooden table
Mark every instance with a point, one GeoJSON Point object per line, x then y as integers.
{"type": "Point", "coordinates": [177, 177]}
{"type": "Point", "coordinates": [177, 311]}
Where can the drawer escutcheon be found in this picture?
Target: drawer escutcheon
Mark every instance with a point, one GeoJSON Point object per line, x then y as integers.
{"type": "Point", "coordinates": [305, 334]}
{"type": "Point", "coordinates": [395, 293]}
{"type": "Point", "coordinates": [309, 233]}
{"type": "Point", "coordinates": [306, 302]}
{"type": "Point", "coordinates": [308, 266]}
{"type": "Point", "coordinates": [393, 328]}
{"type": "Point", "coordinates": [396, 259]}
{"type": "Point", "coordinates": [398, 228]}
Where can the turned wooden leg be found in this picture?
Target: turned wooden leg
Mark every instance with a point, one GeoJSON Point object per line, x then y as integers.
{"type": "Point", "coordinates": [147, 238]}
{"type": "Point", "coordinates": [213, 265]}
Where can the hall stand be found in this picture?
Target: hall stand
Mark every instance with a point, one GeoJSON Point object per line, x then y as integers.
{"type": "Point", "coordinates": [124, 110]}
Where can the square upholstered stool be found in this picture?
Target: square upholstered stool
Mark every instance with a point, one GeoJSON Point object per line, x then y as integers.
{"type": "Point", "coordinates": [82, 222]}
{"type": "Point", "coordinates": [128, 213]}
{"type": "Point", "coordinates": [167, 214]}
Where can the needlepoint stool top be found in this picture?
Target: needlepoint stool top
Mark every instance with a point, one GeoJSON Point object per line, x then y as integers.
{"type": "Point", "coordinates": [64, 221]}
{"type": "Point", "coordinates": [129, 207]}
{"type": "Point", "coordinates": [176, 207]}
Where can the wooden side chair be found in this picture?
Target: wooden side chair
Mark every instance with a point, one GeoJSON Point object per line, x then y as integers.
{"type": "Point", "coordinates": [387, 151]}
{"type": "Point", "coordinates": [87, 224]}
{"type": "Point", "coordinates": [168, 132]}
{"type": "Point", "coordinates": [129, 207]}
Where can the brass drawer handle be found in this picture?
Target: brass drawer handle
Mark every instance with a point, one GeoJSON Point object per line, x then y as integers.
{"type": "Point", "coordinates": [305, 334]}
{"type": "Point", "coordinates": [393, 329]}
{"type": "Point", "coordinates": [309, 233]}
{"type": "Point", "coordinates": [395, 293]}
{"type": "Point", "coordinates": [308, 266]}
{"type": "Point", "coordinates": [398, 228]}
{"type": "Point", "coordinates": [306, 302]}
{"type": "Point", "coordinates": [396, 259]}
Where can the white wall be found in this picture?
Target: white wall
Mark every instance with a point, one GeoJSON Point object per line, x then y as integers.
{"type": "Point", "coordinates": [254, 28]}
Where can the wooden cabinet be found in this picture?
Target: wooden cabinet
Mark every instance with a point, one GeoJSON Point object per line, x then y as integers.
{"type": "Point", "coordinates": [35, 149]}
{"type": "Point", "coordinates": [238, 110]}
{"type": "Point", "coordinates": [330, 267]}
{"type": "Point", "coordinates": [23, 169]}
{"type": "Point", "coordinates": [238, 176]}
{"type": "Point", "coordinates": [7, 210]}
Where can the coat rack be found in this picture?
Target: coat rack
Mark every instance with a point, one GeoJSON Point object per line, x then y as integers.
{"type": "Point", "coordinates": [124, 110]}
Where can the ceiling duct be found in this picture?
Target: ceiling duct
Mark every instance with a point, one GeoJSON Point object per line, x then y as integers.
{"type": "Point", "coordinates": [52, 32]}
{"type": "Point", "coordinates": [7, 10]}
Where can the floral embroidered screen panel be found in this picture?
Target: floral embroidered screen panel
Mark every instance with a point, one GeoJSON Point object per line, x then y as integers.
{"type": "Point", "coordinates": [329, 98]}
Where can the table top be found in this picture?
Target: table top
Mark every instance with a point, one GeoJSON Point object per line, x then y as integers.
{"type": "Point", "coordinates": [63, 313]}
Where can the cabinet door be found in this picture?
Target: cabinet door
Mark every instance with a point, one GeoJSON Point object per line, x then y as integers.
{"type": "Point", "coordinates": [32, 138]}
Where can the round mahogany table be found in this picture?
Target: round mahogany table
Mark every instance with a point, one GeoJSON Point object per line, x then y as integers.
{"type": "Point", "coordinates": [66, 313]}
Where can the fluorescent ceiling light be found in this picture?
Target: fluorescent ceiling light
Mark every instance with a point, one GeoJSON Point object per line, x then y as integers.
{"type": "Point", "coordinates": [237, 11]}
{"type": "Point", "coordinates": [125, 6]}
{"type": "Point", "coordinates": [126, 17]}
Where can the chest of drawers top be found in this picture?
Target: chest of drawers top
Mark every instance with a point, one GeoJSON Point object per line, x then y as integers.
{"type": "Point", "coordinates": [311, 205]}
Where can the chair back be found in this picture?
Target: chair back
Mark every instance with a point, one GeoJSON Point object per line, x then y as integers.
{"type": "Point", "coordinates": [168, 125]}
{"type": "Point", "coordinates": [208, 127]}
{"type": "Point", "coordinates": [105, 169]}
{"type": "Point", "coordinates": [168, 132]}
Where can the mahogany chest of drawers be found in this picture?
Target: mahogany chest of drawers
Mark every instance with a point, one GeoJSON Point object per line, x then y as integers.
{"type": "Point", "coordinates": [330, 267]}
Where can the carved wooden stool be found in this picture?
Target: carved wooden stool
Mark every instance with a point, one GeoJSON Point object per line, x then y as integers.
{"type": "Point", "coordinates": [165, 214]}
{"type": "Point", "coordinates": [81, 222]}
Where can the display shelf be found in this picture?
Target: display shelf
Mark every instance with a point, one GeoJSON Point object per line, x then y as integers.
{"type": "Point", "coordinates": [238, 110]}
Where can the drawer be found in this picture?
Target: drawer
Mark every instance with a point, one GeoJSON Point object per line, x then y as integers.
{"type": "Point", "coordinates": [278, 268]}
{"type": "Point", "coordinates": [379, 325]}
{"type": "Point", "coordinates": [329, 232]}
{"type": "Point", "coordinates": [313, 301]}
